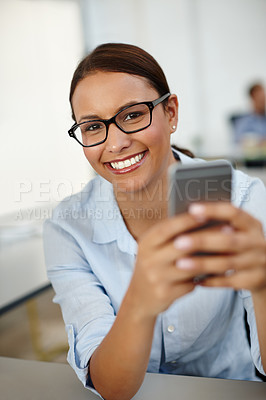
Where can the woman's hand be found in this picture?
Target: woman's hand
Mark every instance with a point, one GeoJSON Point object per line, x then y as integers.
{"type": "Point", "coordinates": [157, 281]}
{"type": "Point", "coordinates": [240, 247]}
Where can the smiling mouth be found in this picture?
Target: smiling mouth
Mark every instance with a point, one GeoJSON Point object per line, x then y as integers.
{"type": "Point", "coordinates": [119, 165]}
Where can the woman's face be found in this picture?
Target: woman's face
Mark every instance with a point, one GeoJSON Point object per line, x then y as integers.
{"type": "Point", "coordinates": [102, 95]}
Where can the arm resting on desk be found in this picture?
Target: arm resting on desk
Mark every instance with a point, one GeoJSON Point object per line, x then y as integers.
{"type": "Point", "coordinates": [123, 356]}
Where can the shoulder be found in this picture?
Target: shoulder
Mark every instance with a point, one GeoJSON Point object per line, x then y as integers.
{"type": "Point", "coordinates": [249, 193]}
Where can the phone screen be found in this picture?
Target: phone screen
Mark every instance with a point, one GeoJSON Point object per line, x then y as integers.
{"type": "Point", "coordinates": [198, 182]}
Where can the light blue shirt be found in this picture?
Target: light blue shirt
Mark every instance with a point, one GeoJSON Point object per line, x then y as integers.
{"type": "Point", "coordinates": [90, 257]}
{"type": "Point", "coordinates": [250, 124]}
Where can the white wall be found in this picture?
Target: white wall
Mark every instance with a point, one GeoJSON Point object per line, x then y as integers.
{"type": "Point", "coordinates": [40, 45]}
{"type": "Point", "coordinates": [232, 54]}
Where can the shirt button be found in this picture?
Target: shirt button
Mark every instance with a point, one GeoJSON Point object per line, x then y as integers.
{"type": "Point", "coordinates": [171, 328]}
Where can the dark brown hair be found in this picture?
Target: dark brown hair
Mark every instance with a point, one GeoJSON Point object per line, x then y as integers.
{"type": "Point", "coordinates": [252, 89]}
{"type": "Point", "coordinates": [126, 58]}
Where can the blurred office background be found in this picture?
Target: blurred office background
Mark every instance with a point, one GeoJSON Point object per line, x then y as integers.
{"type": "Point", "coordinates": [210, 51]}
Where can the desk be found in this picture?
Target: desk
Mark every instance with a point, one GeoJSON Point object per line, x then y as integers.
{"type": "Point", "coordinates": [23, 274]}
{"type": "Point", "coordinates": [22, 265]}
{"type": "Point", "coordinates": [22, 271]}
{"type": "Point", "coordinates": [23, 380]}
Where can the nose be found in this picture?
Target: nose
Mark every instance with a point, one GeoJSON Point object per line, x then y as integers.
{"type": "Point", "coordinates": [117, 140]}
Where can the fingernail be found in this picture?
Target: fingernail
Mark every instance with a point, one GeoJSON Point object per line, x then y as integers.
{"type": "Point", "coordinates": [229, 272]}
{"type": "Point", "coordinates": [227, 229]}
{"type": "Point", "coordinates": [197, 209]}
{"type": "Point", "coordinates": [183, 242]}
{"type": "Point", "coordinates": [185, 263]}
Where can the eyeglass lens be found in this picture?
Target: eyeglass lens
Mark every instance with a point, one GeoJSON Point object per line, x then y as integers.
{"type": "Point", "coordinates": [134, 118]}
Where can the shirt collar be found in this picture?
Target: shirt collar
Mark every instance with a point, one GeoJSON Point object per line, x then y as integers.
{"type": "Point", "coordinates": [108, 223]}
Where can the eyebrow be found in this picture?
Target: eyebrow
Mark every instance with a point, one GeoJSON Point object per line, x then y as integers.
{"type": "Point", "coordinates": [90, 117]}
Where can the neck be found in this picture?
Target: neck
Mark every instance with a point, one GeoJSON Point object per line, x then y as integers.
{"type": "Point", "coordinates": [149, 199]}
{"type": "Point", "coordinates": [141, 209]}
{"type": "Point", "coordinates": [259, 110]}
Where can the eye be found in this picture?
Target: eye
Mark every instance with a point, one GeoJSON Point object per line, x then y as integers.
{"type": "Point", "coordinates": [91, 127]}
{"type": "Point", "coordinates": [133, 115]}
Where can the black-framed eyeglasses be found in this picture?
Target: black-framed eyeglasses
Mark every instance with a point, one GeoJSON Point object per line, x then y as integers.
{"type": "Point", "coordinates": [131, 119]}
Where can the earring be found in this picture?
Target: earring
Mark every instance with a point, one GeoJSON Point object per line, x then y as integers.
{"type": "Point", "coordinates": [174, 127]}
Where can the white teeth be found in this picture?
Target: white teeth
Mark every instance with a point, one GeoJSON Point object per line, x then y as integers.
{"type": "Point", "coordinates": [128, 162]}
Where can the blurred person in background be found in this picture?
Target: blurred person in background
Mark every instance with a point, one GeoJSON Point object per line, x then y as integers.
{"type": "Point", "coordinates": [250, 128]}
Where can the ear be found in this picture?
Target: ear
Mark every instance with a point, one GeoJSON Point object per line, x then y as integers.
{"type": "Point", "coordinates": [172, 112]}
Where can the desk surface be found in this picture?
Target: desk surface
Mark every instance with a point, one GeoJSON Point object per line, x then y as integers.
{"type": "Point", "coordinates": [20, 379]}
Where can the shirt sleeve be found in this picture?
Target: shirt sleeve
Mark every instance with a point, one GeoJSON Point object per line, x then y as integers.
{"type": "Point", "coordinates": [254, 202]}
{"type": "Point", "coordinates": [86, 308]}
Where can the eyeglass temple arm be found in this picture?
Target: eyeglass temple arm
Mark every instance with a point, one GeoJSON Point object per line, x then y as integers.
{"type": "Point", "coordinates": [155, 102]}
{"type": "Point", "coordinates": [70, 131]}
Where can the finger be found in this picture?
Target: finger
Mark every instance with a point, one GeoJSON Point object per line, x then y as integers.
{"type": "Point", "coordinates": [162, 264]}
{"type": "Point", "coordinates": [223, 241]}
{"type": "Point", "coordinates": [245, 279]}
{"type": "Point", "coordinates": [169, 228]}
{"type": "Point", "coordinates": [223, 211]}
{"type": "Point", "coordinates": [222, 263]}
{"type": "Point", "coordinates": [178, 290]}
{"type": "Point", "coordinates": [174, 276]}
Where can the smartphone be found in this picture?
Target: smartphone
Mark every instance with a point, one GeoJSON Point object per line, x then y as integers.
{"type": "Point", "coordinates": [199, 182]}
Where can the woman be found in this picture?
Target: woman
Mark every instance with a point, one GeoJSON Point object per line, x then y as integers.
{"type": "Point", "coordinates": [122, 271]}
